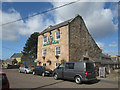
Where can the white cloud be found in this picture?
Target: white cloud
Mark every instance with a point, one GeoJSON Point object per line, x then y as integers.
{"type": "Point", "coordinates": [98, 20]}
{"type": "Point", "coordinates": [101, 45]}
{"type": "Point", "coordinates": [113, 42]}
{"type": "Point", "coordinates": [60, 0]}
{"type": "Point", "coordinates": [112, 45]}
{"type": "Point", "coordinates": [11, 32]}
{"type": "Point", "coordinates": [111, 52]}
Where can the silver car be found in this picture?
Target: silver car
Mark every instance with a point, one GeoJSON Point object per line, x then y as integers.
{"type": "Point", "coordinates": [25, 69]}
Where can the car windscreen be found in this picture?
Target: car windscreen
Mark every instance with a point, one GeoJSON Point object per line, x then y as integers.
{"type": "Point", "coordinates": [90, 67]}
{"type": "Point", "coordinates": [46, 68]}
{"type": "Point", "coordinates": [3, 79]}
{"type": "Point", "coordinates": [26, 67]}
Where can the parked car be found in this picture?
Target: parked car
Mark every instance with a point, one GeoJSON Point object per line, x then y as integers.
{"type": "Point", "coordinates": [4, 80]}
{"type": "Point", "coordinates": [78, 71]}
{"type": "Point", "coordinates": [42, 70]}
{"type": "Point", "coordinates": [25, 69]}
{"type": "Point", "coordinates": [13, 66]}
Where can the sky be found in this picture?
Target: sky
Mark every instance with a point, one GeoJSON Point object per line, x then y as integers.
{"type": "Point", "coordinates": [101, 19]}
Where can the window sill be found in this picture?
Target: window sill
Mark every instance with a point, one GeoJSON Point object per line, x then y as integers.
{"type": "Point", "coordinates": [57, 39]}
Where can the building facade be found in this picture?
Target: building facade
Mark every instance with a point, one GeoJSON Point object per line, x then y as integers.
{"type": "Point", "coordinates": [17, 56]}
{"type": "Point", "coordinates": [67, 41]}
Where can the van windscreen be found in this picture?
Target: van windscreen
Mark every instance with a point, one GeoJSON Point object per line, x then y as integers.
{"type": "Point", "coordinates": [89, 66]}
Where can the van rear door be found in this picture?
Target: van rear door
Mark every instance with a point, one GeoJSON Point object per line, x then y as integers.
{"type": "Point", "coordinates": [90, 70]}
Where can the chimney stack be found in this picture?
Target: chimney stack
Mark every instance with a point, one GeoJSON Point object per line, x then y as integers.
{"type": "Point", "coordinates": [106, 54]}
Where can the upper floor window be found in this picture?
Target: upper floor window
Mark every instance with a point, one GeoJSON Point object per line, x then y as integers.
{"type": "Point", "coordinates": [57, 50]}
{"type": "Point", "coordinates": [44, 52]}
{"type": "Point", "coordinates": [44, 39]}
{"type": "Point", "coordinates": [57, 35]}
{"type": "Point", "coordinates": [43, 64]}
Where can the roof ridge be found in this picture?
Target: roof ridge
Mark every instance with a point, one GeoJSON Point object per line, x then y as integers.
{"type": "Point", "coordinates": [51, 28]}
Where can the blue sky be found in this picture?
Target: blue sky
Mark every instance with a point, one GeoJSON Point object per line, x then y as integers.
{"type": "Point", "coordinates": [100, 18]}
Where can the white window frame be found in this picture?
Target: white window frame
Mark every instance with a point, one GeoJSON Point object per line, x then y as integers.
{"type": "Point", "coordinates": [55, 50]}
{"type": "Point", "coordinates": [44, 39]}
{"type": "Point", "coordinates": [43, 63]}
{"type": "Point", "coordinates": [56, 65]}
{"type": "Point", "coordinates": [56, 35]}
{"type": "Point", "coordinates": [43, 52]}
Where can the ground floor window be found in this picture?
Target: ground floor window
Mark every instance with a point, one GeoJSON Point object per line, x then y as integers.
{"type": "Point", "coordinates": [43, 64]}
{"type": "Point", "coordinates": [44, 52]}
{"type": "Point", "coordinates": [57, 64]}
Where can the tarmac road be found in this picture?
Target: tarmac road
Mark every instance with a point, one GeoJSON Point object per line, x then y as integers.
{"type": "Point", "coordinates": [21, 80]}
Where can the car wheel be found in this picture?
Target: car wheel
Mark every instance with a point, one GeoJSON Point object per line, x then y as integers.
{"type": "Point", "coordinates": [19, 71]}
{"type": "Point", "coordinates": [25, 72]}
{"type": "Point", "coordinates": [34, 73]}
{"type": "Point", "coordinates": [55, 76]}
{"type": "Point", "coordinates": [78, 80]}
{"type": "Point", "coordinates": [43, 74]}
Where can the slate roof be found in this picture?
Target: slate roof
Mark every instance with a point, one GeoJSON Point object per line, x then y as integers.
{"type": "Point", "coordinates": [56, 26]}
{"type": "Point", "coordinates": [104, 56]}
{"type": "Point", "coordinates": [16, 55]}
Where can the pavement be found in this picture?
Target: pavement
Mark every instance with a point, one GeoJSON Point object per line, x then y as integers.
{"type": "Point", "coordinates": [28, 81]}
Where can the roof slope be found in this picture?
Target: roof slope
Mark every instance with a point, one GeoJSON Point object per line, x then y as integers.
{"type": "Point", "coordinates": [56, 26]}
{"type": "Point", "coordinates": [16, 55]}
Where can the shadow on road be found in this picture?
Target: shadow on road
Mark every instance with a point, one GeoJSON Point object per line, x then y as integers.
{"type": "Point", "coordinates": [92, 82]}
{"type": "Point", "coordinates": [47, 85]}
{"type": "Point", "coordinates": [38, 88]}
{"type": "Point", "coordinates": [88, 83]}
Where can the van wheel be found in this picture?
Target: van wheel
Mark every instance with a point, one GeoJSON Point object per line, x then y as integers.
{"type": "Point", "coordinates": [78, 80]}
{"type": "Point", "coordinates": [55, 76]}
{"type": "Point", "coordinates": [43, 74]}
{"type": "Point", "coordinates": [34, 73]}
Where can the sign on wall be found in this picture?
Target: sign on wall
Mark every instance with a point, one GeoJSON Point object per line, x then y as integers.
{"type": "Point", "coordinates": [50, 41]}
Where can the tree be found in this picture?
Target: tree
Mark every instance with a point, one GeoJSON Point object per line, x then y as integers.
{"type": "Point", "coordinates": [30, 49]}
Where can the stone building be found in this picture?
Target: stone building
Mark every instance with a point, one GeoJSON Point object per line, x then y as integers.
{"type": "Point", "coordinates": [67, 41]}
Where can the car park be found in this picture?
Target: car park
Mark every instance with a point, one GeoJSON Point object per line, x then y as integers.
{"type": "Point", "coordinates": [78, 71]}
{"type": "Point", "coordinates": [25, 69]}
{"type": "Point", "coordinates": [5, 82]}
{"type": "Point", "coordinates": [42, 70]}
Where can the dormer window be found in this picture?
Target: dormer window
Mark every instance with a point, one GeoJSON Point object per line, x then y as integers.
{"type": "Point", "coordinates": [57, 35]}
{"type": "Point", "coordinates": [44, 39]}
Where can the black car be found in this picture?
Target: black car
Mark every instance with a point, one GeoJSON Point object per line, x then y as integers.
{"type": "Point", "coordinates": [78, 71]}
{"type": "Point", "coordinates": [42, 70]}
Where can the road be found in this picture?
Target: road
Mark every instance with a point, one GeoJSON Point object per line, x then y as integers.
{"type": "Point", "coordinates": [21, 80]}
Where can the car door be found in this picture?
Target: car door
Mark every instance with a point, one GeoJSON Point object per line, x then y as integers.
{"type": "Point", "coordinates": [90, 69]}
{"type": "Point", "coordinates": [60, 70]}
{"type": "Point", "coordinates": [69, 72]}
{"type": "Point", "coordinates": [22, 69]}
{"type": "Point", "coordinates": [37, 69]}
{"type": "Point", "coordinates": [40, 70]}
